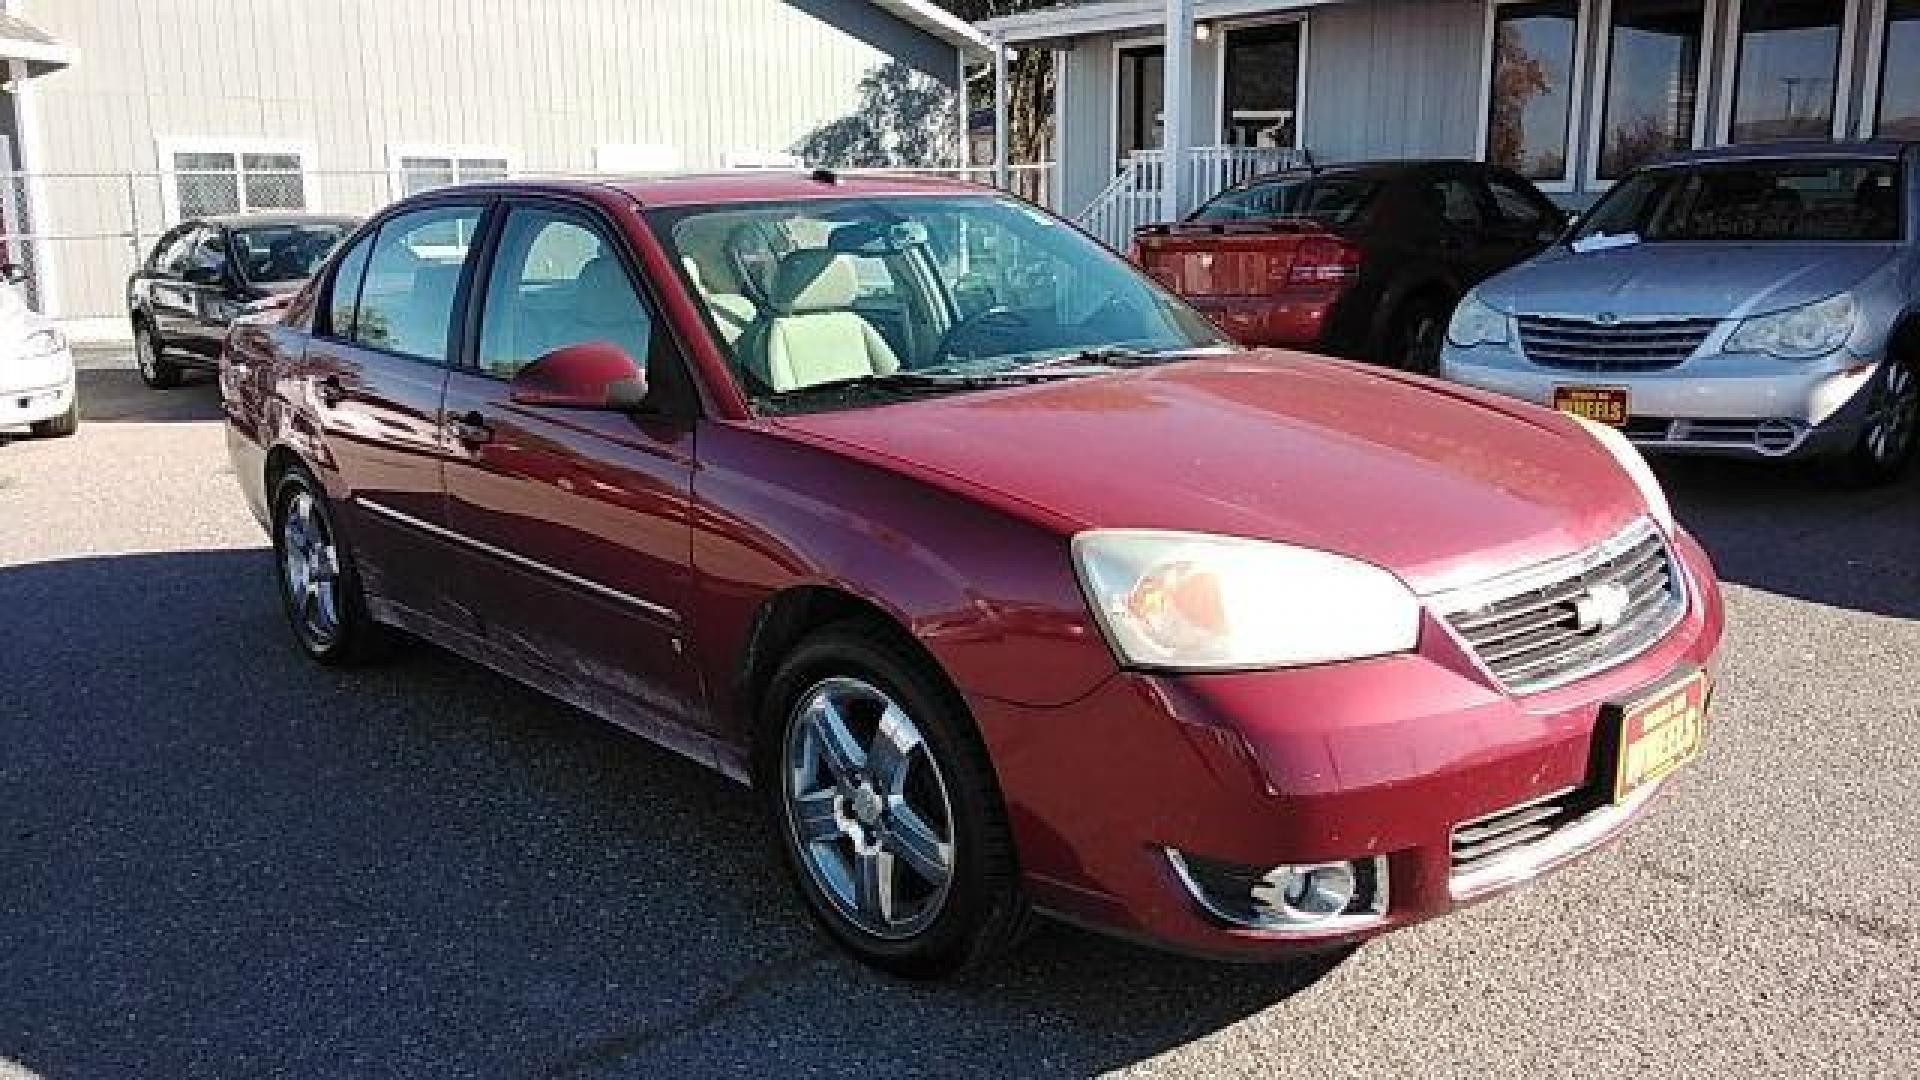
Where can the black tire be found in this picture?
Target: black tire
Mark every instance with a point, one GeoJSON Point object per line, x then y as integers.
{"type": "Point", "coordinates": [982, 913]}
{"type": "Point", "coordinates": [350, 636]}
{"type": "Point", "coordinates": [61, 426]}
{"type": "Point", "coordinates": [1416, 334]}
{"type": "Point", "coordinates": [150, 357]}
{"type": "Point", "coordinates": [1891, 436]}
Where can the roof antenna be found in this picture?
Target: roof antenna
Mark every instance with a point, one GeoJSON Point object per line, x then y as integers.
{"type": "Point", "coordinates": [824, 176]}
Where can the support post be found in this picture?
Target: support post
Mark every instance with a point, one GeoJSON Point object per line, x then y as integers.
{"type": "Point", "coordinates": [1175, 185]}
{"type": "Point", "coordinates": [962, 116]}
{"type": "Point", "coordinates": [1000, 172]}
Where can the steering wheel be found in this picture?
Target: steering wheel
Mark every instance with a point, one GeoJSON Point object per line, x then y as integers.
{"type": "Point", "coordinates": [956, 334]}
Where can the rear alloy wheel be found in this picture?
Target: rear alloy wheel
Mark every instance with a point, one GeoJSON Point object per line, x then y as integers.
{"type": "Point", "coordinates": [1887, 442]}
{"type": "Point", "coordinates": [1419, 331]}
{"type": "Point", "coordinates": [318, 583]}
{"type": "Point", "coordinates": [884, 807]}
{"type": "Point", "coordinates": [149, 355]}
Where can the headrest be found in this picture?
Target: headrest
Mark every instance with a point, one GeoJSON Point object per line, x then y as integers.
{"type": "Point", "coordinates": [814, 279]}
{"type": "Point", "coordinates": [693, 273]}
{"type": "Point", "coordinates": [602, 294]}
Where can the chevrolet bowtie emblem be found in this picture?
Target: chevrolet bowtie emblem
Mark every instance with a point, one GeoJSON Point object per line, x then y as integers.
{"type": "Point", "coordinates": [1601, 608]}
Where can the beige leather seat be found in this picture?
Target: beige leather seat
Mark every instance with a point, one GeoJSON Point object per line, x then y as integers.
{"type": "Point", "coordinates": [731, 312]}
{"type": "Point", "coordinates": [813, 335]}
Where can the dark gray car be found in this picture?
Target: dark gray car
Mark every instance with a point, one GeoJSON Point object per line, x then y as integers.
{"type": "Point", "coordinates": [1748, 300]}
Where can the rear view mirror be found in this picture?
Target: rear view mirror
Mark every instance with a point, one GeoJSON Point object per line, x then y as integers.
{"type": "Point", "coordinates": [591, 375]}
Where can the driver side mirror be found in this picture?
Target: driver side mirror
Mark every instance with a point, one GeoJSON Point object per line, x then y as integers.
{"type": "Point", "coordinates": [590, 375]}
{"type": "Point", "coordinates": [205, 273]}
{"type": "Point", "coordinates": [14, 274]}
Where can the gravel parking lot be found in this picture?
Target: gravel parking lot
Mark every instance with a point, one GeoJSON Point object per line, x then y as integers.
{"type": "Point", "coordinates": [216, 859]}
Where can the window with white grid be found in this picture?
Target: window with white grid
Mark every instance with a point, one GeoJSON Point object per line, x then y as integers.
{"type": "Point", "coordinates": [211, 179]}
{"type": "Point", "coordinates": [417, 169]}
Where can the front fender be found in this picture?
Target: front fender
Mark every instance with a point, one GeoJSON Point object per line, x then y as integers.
{"type": "Point", "coordinates": [990, 593]}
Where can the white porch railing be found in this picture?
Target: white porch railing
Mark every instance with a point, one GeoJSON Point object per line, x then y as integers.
{"type": "Point", "coordinates": [1133, 198]}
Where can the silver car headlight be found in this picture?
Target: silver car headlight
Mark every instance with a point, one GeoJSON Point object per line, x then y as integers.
{"type": "Point", "coordinates": [44, 342]}
{"type": "Point", "coordinates": [1635, 465]}
{"type": "Point", "coordinates": [1800, 333]}
{"type": "Point", "coordinates": [1475, 322]}
{"type": "Point", "coordinates": [1198, 602]}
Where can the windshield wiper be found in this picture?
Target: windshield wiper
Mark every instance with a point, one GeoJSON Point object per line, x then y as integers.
{"type": "Point", "coordinates": [1122, 356]}
{"type": "Point", "coordinates": [907, 383]}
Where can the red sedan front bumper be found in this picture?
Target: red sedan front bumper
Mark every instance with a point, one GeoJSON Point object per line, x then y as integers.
{"type": "Point", "coordinates": [1382, 758]}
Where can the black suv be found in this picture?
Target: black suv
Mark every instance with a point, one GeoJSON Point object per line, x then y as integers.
{"type": "Point", "coordinates": [203, 273]}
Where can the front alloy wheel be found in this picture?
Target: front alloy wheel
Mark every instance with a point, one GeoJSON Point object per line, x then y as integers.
{"type": "Point", "coordinates": [868, 808]}
{"type": "Point", "coordinates": [884, 805]}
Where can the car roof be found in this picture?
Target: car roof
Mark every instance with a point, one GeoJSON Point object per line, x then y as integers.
{"type": "Point", "coordinates": [267, 220]}
{"type": "Point", "coordinates": [740, 185]}
{"type": "Point", "coordinates": [1863, 150]}
{"type": "Point", "coordinates": [1383, 169]}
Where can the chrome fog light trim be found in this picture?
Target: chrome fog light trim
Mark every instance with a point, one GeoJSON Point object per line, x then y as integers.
{"type": "Point", "coordinates": [1304, 899]}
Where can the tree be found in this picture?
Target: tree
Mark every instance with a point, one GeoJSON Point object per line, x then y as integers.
{"type": "Point", "coordinates": [905, 118]}
{"type": "Point", "coordinates": [1518, 78]}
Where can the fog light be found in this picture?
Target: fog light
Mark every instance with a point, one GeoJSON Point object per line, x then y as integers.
{"type": "Point", "coordinates": [1303, 898]}
{"type": "Point", "coordinates": [1307, 893]}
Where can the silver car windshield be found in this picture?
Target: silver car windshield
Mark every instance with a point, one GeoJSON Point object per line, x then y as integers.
{"type": "Point", "coordinates": [830, 303]}
{"type": "Point", "coordinates": [1751, 201]}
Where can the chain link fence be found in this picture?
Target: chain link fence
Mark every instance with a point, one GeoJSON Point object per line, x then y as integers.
{"type": "Point", "coordinates": [78, 236]}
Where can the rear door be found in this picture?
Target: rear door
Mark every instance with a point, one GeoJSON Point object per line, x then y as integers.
{"type": "Point", "coordinates": [374, 376]}
{"type": "Point", "coordinates": [577, 522]}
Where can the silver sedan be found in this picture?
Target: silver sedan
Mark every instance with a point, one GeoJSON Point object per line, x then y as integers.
{"type": "Point", "coordinates": [1749, 301]}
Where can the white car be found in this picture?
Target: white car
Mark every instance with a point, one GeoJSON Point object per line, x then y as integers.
{"type": "Point", "coordinates": [36, 367]}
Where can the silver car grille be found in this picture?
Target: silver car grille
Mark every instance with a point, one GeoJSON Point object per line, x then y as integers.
{"type": "Point", "coordinates": [1551, 624]}
{"type": "Point", "coordinates": [1581, 345]}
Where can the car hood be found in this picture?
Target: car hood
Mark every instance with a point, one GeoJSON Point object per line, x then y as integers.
{"type": "Point", "coordinates": [1683, 281]}
{"type": "Point", "coordinates": [1442, 485]}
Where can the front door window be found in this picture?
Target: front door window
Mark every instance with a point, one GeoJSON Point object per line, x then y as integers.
{"type": "Point", "coordinates": [1142, 86]}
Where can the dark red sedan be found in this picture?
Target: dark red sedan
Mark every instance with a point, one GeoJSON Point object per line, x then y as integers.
{"type": "Point", "coordinates": [1007, 584]}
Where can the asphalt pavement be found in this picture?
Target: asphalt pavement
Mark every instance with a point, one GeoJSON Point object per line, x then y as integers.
{"type": "Point", "coordinates": [219, 860]}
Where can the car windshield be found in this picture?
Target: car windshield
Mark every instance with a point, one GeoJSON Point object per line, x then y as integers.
{"type": "Point", "coordinates": [834, 303]}
{"type": "Point", "coordinates": [1750, 201]}
{"type": "Point", "coordinates": [1328, 200]}
{"type": "Point", "coordinates": [277, 254]}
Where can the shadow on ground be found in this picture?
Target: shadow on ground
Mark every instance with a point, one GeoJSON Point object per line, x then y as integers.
{"type": "Point", "coordinates": [116, 395]}
{"type": "Point", "coordinates": [222, 859]}
{"type": "Point", "coordinates": [1793, 530]}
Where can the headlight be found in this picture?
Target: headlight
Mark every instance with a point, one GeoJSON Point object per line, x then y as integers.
{"type": "Point", "coordinates": [1799, 333]}
{"type": "Point", "coordinates": [1195, 602]}
{"type": "Point", "coordinates": [1635, 464]}
{"type": "Point", "coordinates": [1476, 323]}
{"type": "Point", "coordinates": [45, 342]}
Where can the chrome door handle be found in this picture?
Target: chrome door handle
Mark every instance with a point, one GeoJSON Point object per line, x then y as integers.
{"type": "Point", "coordinates": [470, 428]}
{"type": "Point", "coordinates": [331, 391]}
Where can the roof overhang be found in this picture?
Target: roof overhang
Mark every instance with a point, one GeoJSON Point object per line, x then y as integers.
{"type": "Point", "coordinates": [1058, 24]}
{"type": "Point", "coordinates": [931, 18]}
{"type": "Point", "coordinates": [22, 41]}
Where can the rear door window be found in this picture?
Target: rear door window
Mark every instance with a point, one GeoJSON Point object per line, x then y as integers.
{"type": "Point", "coordinates": [413, 280]}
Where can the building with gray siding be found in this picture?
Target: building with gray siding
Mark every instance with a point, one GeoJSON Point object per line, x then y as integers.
{"type": "Point", "coordinates": [1569, 92]}
{"type": "Point", "coordinates": [164, 108]}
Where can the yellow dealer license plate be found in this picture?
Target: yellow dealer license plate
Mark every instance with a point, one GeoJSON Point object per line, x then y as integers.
{"type": "Point", "coordinates": [1600, 404]}
{"type": "Point", "coordinates": [1659, 734]}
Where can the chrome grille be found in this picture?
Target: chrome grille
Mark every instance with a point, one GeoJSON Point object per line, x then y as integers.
{"type": "Point", "coordinates": [1479, 842]}
{"type": "Point", "coordinates": [1580, 345]}
{"type": "Point", "coordinates": [1547, 625]}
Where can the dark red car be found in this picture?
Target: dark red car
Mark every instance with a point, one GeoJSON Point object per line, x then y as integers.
{"type": "Point", "coordinates": [1366, 260]}
{"type": "Point", "coordinates": [1008, 585]}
